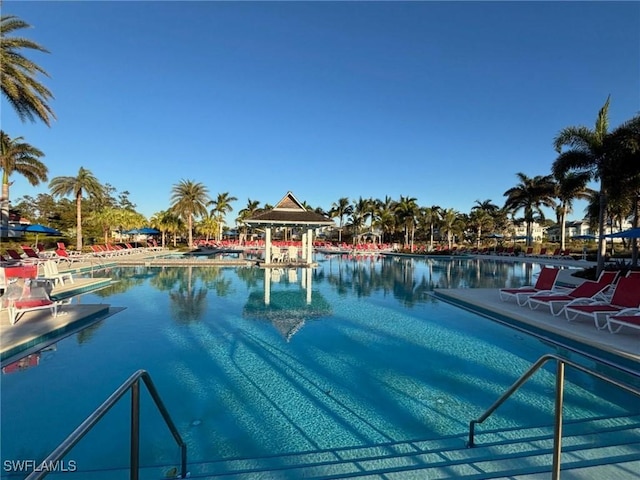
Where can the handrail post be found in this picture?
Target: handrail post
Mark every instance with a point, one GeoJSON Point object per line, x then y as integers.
{"type": "Point", "coordinates": [557, 428]}
{"type": "Point", "coordinates": [472, 434]}
{"type": "Point", "coordinates": [135, 430]}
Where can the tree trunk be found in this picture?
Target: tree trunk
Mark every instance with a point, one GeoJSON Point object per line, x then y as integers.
{"type": "Point", "coordinates": [602, 245]}
{"type": "Point", "coordinates": [563, 222]}
{"type": "Point", "coordinates": [79, 222]}
{"type": "Point", "coordinates": [636, 222]}
{"type": "Point", "coordinates": [4, 207]}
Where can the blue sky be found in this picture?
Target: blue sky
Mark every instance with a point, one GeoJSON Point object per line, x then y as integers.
{"type": "Point", "coordinates": [441, 101]}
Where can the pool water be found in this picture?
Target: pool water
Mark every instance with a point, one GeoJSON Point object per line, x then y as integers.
{"type": "Point", "coordinates": [353, 352]}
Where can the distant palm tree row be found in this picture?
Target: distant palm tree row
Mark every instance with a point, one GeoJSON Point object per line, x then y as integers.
{"type": "Point", "coordinates": [611, 158]}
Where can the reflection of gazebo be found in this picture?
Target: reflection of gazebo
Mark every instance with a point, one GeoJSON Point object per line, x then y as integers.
{"type": "Point", "coordinates": [289, 213]}
{"type": "Point", "coordinates": [287, 311]}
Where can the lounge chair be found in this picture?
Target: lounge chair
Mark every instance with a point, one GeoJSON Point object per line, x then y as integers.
{"type": "Point", "coordinates": [25, 293]}
{"type": "Point", "coordinates": [51, 272]}
{"type": "Point", "coordinates": [625, 295]}
{"type": "Point", "coordinates": [16, 257]}
{"type": "Point", "coordinates": [276, 255]}
{"type": "Point", "coordinates": [556, 301]}
{"type": "Point", "coordinates": [546, 281]}
{"type": "Point", "coordinates": [629, 318]}
{"type": "Point", "coordinates": [63, 255]}
{"type": "Point", "coordinates": [543, 253]}
{"type": "Point", "coordinates": [31, 253]}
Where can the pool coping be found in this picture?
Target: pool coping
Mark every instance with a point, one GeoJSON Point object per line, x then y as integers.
{"type": "Point", "coordinates": [582, 335]}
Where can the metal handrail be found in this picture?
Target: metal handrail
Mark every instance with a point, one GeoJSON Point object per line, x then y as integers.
{"type": "Point", "coordinates": [133, 383]}
{"type": "Point", "coordinates": [559, 399]}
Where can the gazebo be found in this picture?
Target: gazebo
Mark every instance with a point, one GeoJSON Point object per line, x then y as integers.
{"type": "Point", "coordinates": [289, 213]}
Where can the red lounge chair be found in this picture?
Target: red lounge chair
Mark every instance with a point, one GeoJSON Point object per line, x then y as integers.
{"type": "Point", "coordinates": [64, 255]}
{"type": "Point", "coordinates": [625, 295]}
{"type": "Point", "coordinates": [546, 281]}
{"type": "Point", "coordinates": [587, 289]}
{"type": "Point", "coordinates": [27, 295]}
{"type": "Point", "coordinates": [32, 254]}
{"type": "Point", "coordinates": [629, 318]}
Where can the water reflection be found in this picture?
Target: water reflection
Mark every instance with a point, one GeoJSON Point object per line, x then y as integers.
{"type": "Point", "coordinates": [406, 279]}
{"type": "Point", "coordinates": [286, 300]}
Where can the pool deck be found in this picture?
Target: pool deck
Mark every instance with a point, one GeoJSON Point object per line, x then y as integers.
{"type": "Point", "coordinates": [40, 324]}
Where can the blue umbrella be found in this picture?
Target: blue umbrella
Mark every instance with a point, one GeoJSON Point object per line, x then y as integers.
{"type": "Point", "coordinates": [142, 231]}
{"type": "Point", "coordinates": [631, 233]}
{"type": "Point", "coordinates": [39, 229]}
{"type": "Point", "coordinates": [31, 228]}
{"type": "Point", "coordinates": [584, 237]}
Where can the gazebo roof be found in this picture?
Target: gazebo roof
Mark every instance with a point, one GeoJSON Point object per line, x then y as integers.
{"type": "Point", "coordinates": [289, 212]}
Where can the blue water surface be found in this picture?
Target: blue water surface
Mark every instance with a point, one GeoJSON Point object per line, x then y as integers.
{"type": "Point", "coordinates": [353, 352]}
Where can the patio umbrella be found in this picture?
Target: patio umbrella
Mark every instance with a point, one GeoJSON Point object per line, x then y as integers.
{"type": "Point", "coordinates": [41, 229]}
{"type": "Point", "coordinates": [631, 233]}
{"type": "Point", "coordinates": [584, 237]}
{"type": "Point", "coordinates": [142, 231]}
{"type": "Point", "coordinates": [34, 228]}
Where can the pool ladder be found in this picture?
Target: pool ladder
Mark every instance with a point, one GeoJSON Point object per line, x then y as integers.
{"type": "Point", "coordinates": [559, 399]}
{"type": "Point", "coordinates": [133, 384]}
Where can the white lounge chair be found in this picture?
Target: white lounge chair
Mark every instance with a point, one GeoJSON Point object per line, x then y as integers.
{"type": "Point", "coordinates": [51, 272]}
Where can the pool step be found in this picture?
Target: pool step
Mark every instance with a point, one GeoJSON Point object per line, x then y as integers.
{"type": "Point", "coordinates": [607, 448]}
{"type": "Point", "coordinates": [498, 454]}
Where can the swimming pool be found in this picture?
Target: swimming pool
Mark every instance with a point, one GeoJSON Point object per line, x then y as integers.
{"type": "Point", "coordinates": [353, 352]}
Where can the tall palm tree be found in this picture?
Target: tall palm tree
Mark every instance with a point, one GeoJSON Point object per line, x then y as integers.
{"type": "Point", "coordinates": [222, 206]}
{"type": "Point", "coordinates": [623, 147]}
{"type": "Point", "coordinates": [480, 219]}
{"type": "Point", "coordinates": [431, 217]}
{"type": "Point", "coordinates": [77, 186]}
{"type": "Point", "coordinates": [17, 156]}
{"type": "Point", "coordinates": [253, 207]}
{"type": "Point", "coordinates": [19, 85]}
{"type": "Point", "coordinates": [361, 211]}
{"type": "Point", "coordinates": [189, 199]}
{"type": "Point", "coordinates": [530, 195]}
{"type": "Point", "coordinates": [588, 152]}
{"type": "Point", "coordinates": [407, 210]}
{"type": "Point", "coordinates": [340, 209]}
{"type": "Point", "coordinates": [570, 186]}
{"type": "Point", "coordinates": [450, 224]}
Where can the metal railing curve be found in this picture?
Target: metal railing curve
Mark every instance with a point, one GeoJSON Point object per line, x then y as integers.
{"type": "Point", "coordinates": [559, 399]}
{"type": "Point", "coordinates": [133, 384]}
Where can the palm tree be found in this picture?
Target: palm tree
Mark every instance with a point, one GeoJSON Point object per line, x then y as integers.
{"type": "Point", "coordinates": [19, 86]}
{"type": "Point", "coordinates": [361, 212]}
{"type": "Point", "coordinates": [623, 147]}
{"type": "Point", "coordinates": [480, 219]}
{"type": "Point", "coordinates": [450, 224]}
{"type": "Point", "coordinates": [77, 186]}
{"type": "Point", "coordinates": [570, 186]}
{"type": "Point", "coordinates": [222, 206]}
{"type": "Point", "coordinates": [208, 226]}
{"type": "Point", "coordinates": [431, 217]}
{"type": "Point", "coordinates": [407, 210]}
{"type": "Point", "coordinates": [590, 152]}
{"type": "Point", "coordinates": [486, 205]}
{"type": "Point", "coordinates": [17, 156]}
{"type": "Point", "coordinates": [189, 198]}
{"type": "Point", "coordinates": [530, 195]}
{"type": "Point", "coordinates": [253, 207]}
{"type": "Point", "coordinates": [340, 209]}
